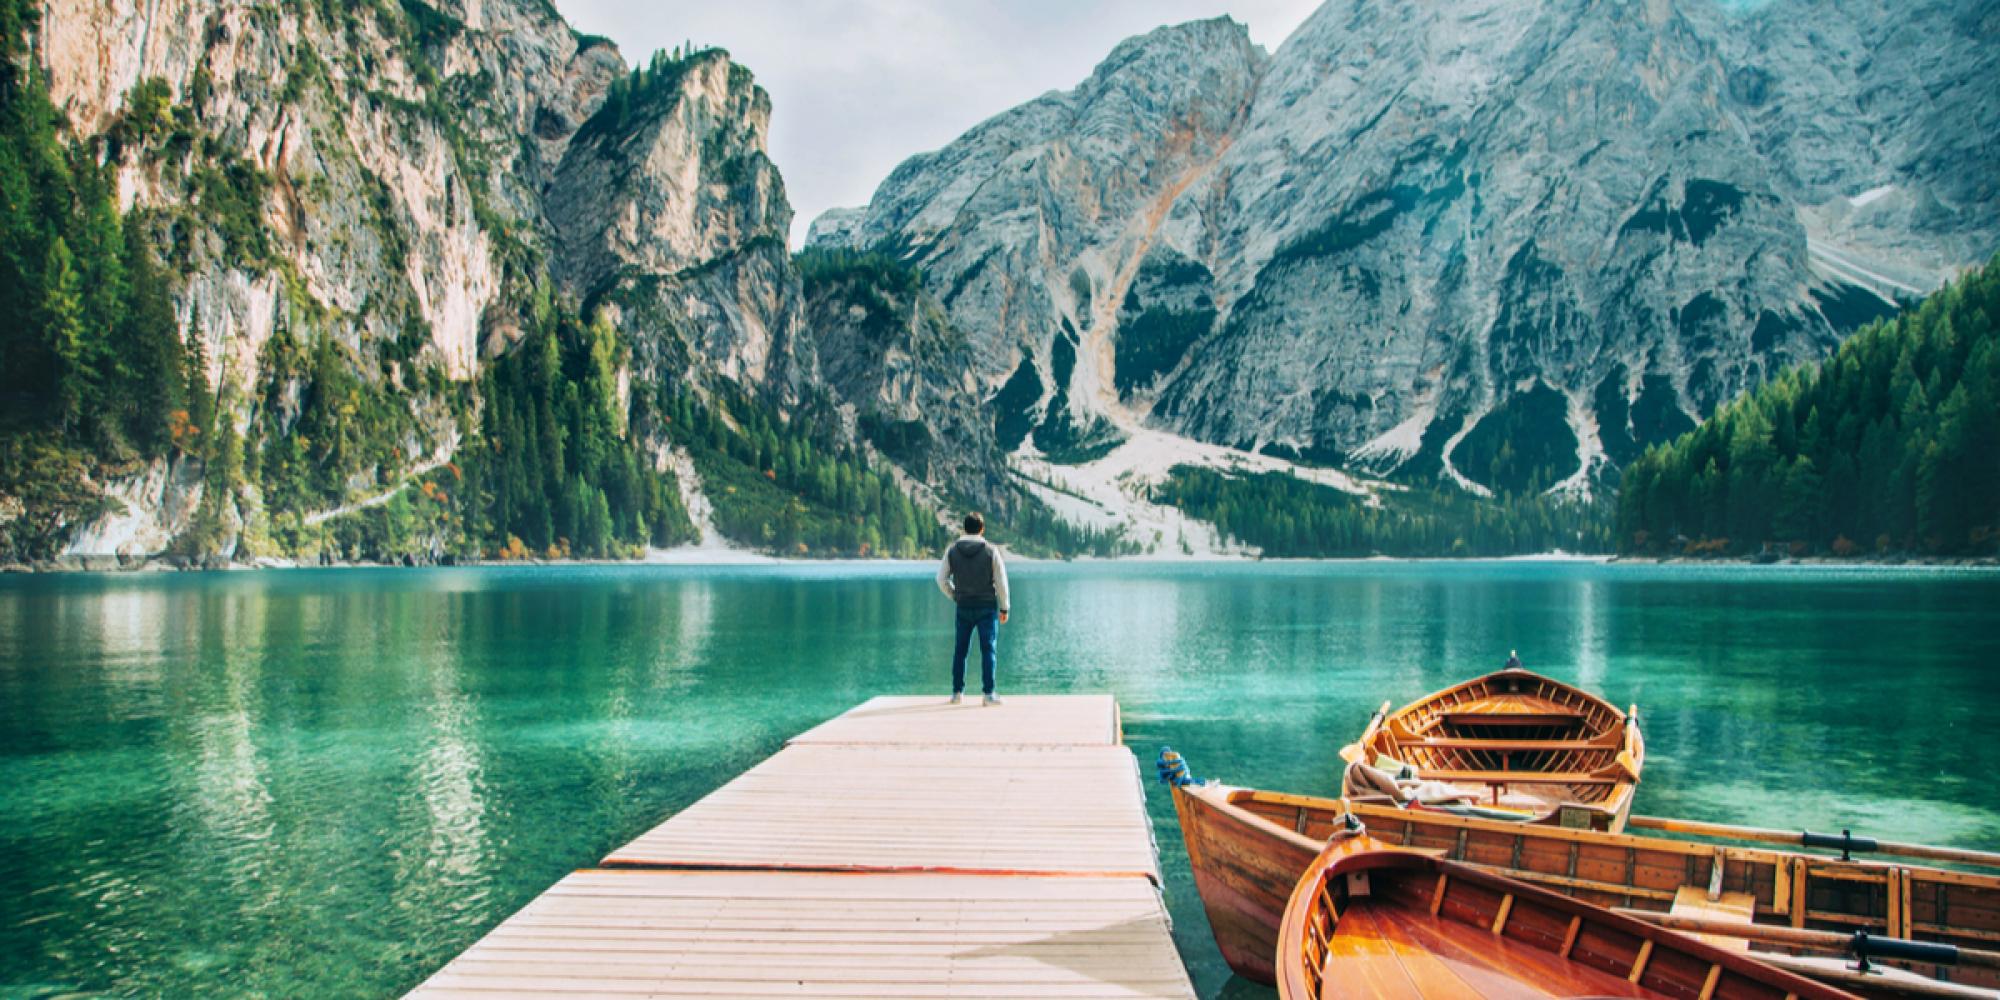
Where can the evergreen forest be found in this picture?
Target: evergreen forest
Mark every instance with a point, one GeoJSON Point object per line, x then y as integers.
{"type": "Point", "coordinates": [1890, 446]}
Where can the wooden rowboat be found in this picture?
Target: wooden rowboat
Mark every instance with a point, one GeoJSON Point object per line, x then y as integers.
{"type": "Point", "coordinates": [1509, 745]}
{"type": "Point", "coordinates": [1248, 849]}
{"type": "Point", "coordinates": [1384, 923]}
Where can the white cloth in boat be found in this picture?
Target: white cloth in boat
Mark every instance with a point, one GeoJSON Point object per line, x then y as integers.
{"type": "Point", "coordinates": [1365, 780]}
{"type": "Point", "coordinates": [1387, 779]}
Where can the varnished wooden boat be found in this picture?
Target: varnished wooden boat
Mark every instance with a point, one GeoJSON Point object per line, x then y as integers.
{"type": "Point", "coordinates": [1248, 848]}
{"type": "Point", "coordinates": [1510, 745]}
{"type": "Point", "coordinates": [1385, 923]}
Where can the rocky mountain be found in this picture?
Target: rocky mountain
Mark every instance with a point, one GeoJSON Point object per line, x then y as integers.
{"type": "Point", "coordinates": [668, 211]}
{"type": "Point", "coordinates": [1505, 243]}
{"type": "Point", "coordinates": [449, 271]}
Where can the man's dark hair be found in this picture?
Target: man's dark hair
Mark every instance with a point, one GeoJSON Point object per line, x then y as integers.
{"type": "Point", "coordinates": [974, 524]}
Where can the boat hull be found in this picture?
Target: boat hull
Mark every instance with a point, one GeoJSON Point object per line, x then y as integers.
{"type": "Point", "coordinates": [1244, 869]}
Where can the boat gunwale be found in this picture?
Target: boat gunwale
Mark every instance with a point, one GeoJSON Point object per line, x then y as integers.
{"type": "Point", "coordinates": [1598, 700]}
{"type": "Point", "coordinates": [1709, 847]}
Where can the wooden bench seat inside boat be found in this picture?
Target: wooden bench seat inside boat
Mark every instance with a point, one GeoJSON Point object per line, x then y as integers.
{"type": "Point", "coordinates": [1519, 777]}
{"type": "Point", "coordinates": [1490, 720]}
{"type": "Point", "coordinates": [1468, 743]}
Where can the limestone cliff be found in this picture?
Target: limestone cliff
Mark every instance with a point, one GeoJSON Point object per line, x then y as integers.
{"type": "Point", "coordinates": [379, 199]}
{"type": "Point", "coordinates": [1585, 223]}
{"type": "Point", "coordinates": [667, 209]}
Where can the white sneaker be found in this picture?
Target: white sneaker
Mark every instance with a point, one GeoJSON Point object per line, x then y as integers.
{"type": "Point", "coordinates": [956, 697]}
{"type": "Point", "coordinates": [991, 699]}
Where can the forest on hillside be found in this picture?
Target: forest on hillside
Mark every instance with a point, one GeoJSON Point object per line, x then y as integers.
{"type": "Point", "coordinates": [92, 368]}
{"type": "Point", "coordinates": [1289, 517]}
{"type": "Point", "coordinates": [1890, 446]}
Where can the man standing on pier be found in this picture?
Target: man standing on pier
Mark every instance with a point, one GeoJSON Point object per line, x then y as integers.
{"type": "Point", "coordinates": [974, 578]}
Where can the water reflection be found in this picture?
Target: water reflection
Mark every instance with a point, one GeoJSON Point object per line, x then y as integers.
{"type": "Point", "coordinates": [682, 647]}
{"type": "Point", "coordinates": [614, 743]}
{"type": "Point", "coordinates": [129, 628]}
{"type": "Point", "coordinates": [228, 794]}
{"type": "Point", "coordinates": [448, 777]}
{"type": "Point", "coordinates": [1589, 649]}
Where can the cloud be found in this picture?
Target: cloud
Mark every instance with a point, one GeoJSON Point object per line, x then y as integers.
{"type": "Point", "coordinates": [858, 85]}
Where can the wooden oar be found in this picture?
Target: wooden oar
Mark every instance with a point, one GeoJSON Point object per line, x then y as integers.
{"type": "Point", "coordinates": [1882, 981]}
{"type": "Point", "coordinates": [1791, 937]}
{"type": "Point", "coordinates": [1794, 838]}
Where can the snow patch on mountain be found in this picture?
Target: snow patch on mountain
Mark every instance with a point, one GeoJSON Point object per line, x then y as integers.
{"type": "Point", "coordinates": [1870, 195]}
{"type": "Point", "coordinates": [1115, 491]}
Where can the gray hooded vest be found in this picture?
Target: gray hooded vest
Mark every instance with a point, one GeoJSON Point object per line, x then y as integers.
{"type": "Point", "coordinates": [971, 561]}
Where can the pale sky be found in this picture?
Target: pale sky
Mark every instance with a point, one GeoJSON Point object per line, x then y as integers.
{"type": "Point", "coordinates": [858, 85]}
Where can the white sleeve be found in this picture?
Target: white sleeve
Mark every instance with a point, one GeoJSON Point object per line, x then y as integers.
{"type": "Point", "coordinates": [944, 576]}
{"type": "Point", "coordinates": [1000, 580]}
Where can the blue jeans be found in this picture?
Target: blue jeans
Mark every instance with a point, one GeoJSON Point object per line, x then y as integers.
{"type": "Point", "coordinates": [987, 622]}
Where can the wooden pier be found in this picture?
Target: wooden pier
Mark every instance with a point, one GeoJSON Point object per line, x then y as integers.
{"type": "Point", "coordinates": [906, 848]}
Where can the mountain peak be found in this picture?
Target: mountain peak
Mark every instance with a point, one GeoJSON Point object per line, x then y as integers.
{"type": "Point", "coordinates": [1216, 34]}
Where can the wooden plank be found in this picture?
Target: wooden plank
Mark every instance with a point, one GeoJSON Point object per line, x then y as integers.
{"type": "Point", "coordinates": [1020, 720]}
{"type": "Point", "coordinates": [1708, 983]}
{"type": "Point", "coordinates": [1781, 887]}
{"type": "Point", "coordinates": [1464, 743]}
{"type": "Point", "coordinates": [1515, 777]}
{"type": "Point", "coordinates": [1590, 885]}
{"type": "Point", "coordinates": [1893, 904]}
{"type": "Point", "coordinates": [675, 933]}
{"type": "Point", "coordinates": [1569, 937]}
{"type": "Point", "coordinates": [1905, 918]}
{"type": "Point", "coordinates": [1368, 964]}
{"type": "Point", "coordinates": [1027, 809]}
{"type": "Point", "coordinates": [1528, 718]}
{"type": "Point", "coordinates": [1799, 892]}
{"type": "Point", "coordinates": [1639, 964]}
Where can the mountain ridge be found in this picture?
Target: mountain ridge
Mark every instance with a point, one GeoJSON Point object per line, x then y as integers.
{"type": "Point", "coordinates": [1428, 216]}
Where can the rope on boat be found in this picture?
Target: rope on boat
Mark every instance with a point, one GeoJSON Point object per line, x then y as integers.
{"type": "Point", "coordinates": [1172, 769]}
{"type": "Point", "coordinates": [1348, 826]}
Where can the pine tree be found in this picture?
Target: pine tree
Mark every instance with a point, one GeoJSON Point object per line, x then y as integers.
{"type": "Point", "coordinates": [62, 326]}
{"type": "Point", "coordinates": [155, 384]}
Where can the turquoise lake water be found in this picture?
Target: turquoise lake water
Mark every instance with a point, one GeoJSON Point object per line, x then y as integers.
{"type": "Point", "coordinates": [326, 783]}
